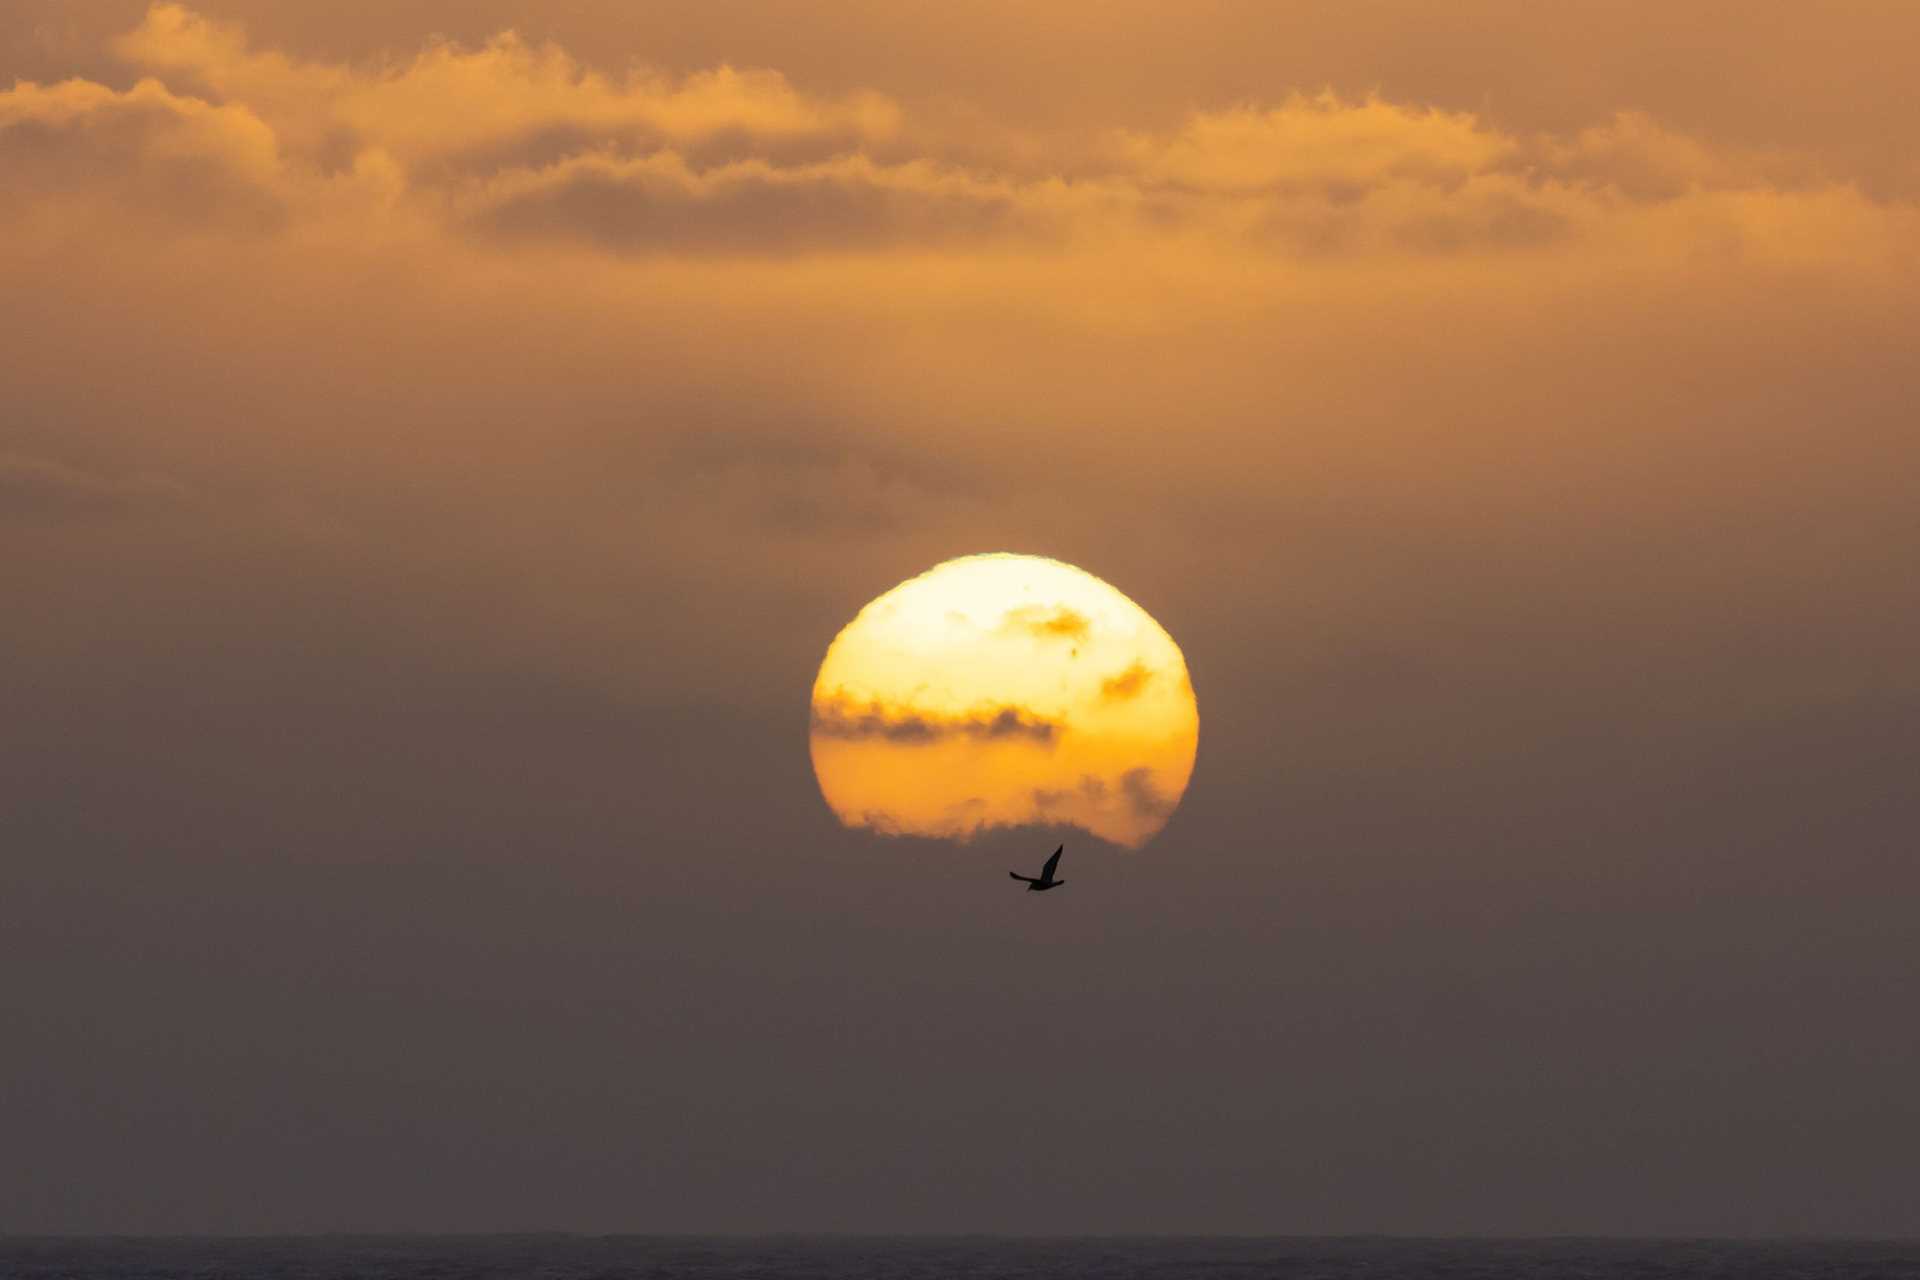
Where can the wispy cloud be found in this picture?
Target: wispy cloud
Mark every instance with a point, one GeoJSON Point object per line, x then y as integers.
{"type": "Point", "coordinates": [41, 486]}
{"type": "Point", "coordinates": [1046, 622]}
{"type": "Point", "coordinates": [842, 717]}
{"type": "Point", "coordinates": [1127, 684]}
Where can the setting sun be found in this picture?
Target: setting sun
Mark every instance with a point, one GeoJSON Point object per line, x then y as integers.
{"type": "Point", "coordinates": [1004, 690]}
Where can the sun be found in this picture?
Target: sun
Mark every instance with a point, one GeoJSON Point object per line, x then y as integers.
{"type": "Point", "coordinates": [1004, 690]}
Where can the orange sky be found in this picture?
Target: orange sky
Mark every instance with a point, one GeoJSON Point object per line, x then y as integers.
{"type": "Point", "coordinates": [298, 274]}
{"type": "Point", "coordinates": [1508, 406]}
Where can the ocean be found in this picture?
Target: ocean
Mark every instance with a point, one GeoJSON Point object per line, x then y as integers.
{"type": "Point", "coordinates": [568, 1257]}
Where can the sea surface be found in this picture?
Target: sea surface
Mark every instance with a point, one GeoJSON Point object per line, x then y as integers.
{"type": "Point", "coordinates": [561, 1257]}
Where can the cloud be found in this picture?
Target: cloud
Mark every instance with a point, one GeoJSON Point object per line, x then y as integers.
{"type": "Point", "coordinates": [1127, 684]}
{"type": "Point", "coordinates": [1134, 788]}
{"type": "Point", "coordinates": [1046, 622]}
{"type": "Point", "coordinates": [818, 483]}
{"type": "Point", "coordinates": [1319, 173]}
{"type": "Point", "coordinates": [1315, 176]}
{"type": "Point", "coordinates": [520, 142]}
{"type": "Point", "coordinates": [1143, 797]}
{"type": "Point", "coordinates": [1319, 144]}
{"type": "Point", "coordinates": [449, 100]}
{"type": "Point", "coordinates": [32, 486]}
{"type": "Point", "coordinates": [659, 203]}
{"type": "Point", "coordinates": [1045, 798]}
{"type": "Point", "coordinates": [1635, 155]}
{"type": "Point", "coordinates": [145, 154]}
{"type": "Point", "coordinates": [841, 717]}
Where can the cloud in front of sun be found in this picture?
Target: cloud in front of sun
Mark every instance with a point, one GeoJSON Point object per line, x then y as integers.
{"type": "Point", "coordinates": [1000, 691]}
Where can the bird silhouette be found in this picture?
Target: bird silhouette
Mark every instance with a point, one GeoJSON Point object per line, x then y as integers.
{"type": "Point", "coordinates": [1046, 880]}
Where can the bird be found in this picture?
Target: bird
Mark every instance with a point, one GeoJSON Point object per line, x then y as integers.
{"type": "Point", "coordinates": [1046, 880]}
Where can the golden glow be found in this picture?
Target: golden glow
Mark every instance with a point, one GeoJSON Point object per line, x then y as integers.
{"type": "Point", "coordinates": [1004, 690]}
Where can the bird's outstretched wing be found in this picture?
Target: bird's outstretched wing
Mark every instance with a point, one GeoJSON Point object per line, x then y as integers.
{"type": "Point", "coordinates": [1017, 876]}
{"type": "Point", "coordinates": [1046, 872]}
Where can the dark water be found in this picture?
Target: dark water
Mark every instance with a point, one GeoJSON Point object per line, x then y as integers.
{"type": "Point", "coordinates": [808, 1258]}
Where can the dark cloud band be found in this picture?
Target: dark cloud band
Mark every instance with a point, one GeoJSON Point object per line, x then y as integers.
{"type": "Point", "coordinates": [844, 719]}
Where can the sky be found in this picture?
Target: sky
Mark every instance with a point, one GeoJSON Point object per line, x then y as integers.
{"type": "Point", "coordinates": [439, 442]}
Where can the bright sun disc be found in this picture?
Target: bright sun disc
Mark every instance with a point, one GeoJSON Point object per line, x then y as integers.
{"type": "Point", "coordinates": [1004, 690]}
